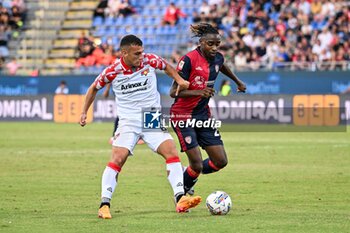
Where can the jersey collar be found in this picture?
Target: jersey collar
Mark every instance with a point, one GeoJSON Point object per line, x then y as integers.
{"type": "Point", "coordinates": [127, 68]}
{"type": "Point", "coordinates": [124, 65]}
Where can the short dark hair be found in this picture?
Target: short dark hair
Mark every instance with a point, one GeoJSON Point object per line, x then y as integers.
{"type": "Point", "coordinates": [130, 40]}
{"type": "Point", "coordinates": [203, 29]}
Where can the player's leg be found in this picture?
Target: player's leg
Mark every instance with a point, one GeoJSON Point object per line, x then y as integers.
{"type": "Point", "coordinates": [163, 144]}
{"type": "Point", "coordinates": [210, 140]}
{"type": "Point", "coordinates": [116, 123]}
{"type": "Point", "coordinates": [189, 144]}
{"type": "Point", "coordinates": [194, 168]}
{"type": "Point", "coordinates": [123, 145]}
{"type": "Point", "coordinates": [168, 151]}
{"type": "Point", "coordinates": [217, 159]}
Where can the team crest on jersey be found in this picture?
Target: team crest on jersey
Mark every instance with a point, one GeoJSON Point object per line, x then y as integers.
{"type": "Point", "coordinates": [199, 82]}
{"type": "Point", "coordinates": [188, 139]}
{"type": "Point", "coordinates": [217, 68]}
{"type": "Point", "coordinates": [181, 65]}
{"type": "Point", "coordinates": [145, 72]}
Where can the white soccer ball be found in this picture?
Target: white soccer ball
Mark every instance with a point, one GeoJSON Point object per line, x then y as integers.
{"type": "Point", "coordinates": [219, 203]}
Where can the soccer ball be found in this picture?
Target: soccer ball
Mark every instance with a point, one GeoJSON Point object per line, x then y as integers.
{"type": "Point", "coordinates": [219, 203]}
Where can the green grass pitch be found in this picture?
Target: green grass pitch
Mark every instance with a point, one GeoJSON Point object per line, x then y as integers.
{"type": "Point", "coordinates": [279, 182]}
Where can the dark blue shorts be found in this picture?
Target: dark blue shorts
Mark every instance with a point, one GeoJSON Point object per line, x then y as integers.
{"type": "Point", "coordinates": [192, 137]}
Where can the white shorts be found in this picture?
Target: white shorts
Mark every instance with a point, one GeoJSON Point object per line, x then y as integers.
{"type": "Point", "coordinates": [129, 139]}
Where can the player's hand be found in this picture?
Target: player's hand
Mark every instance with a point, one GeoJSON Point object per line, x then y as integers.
{"type": "Point", "coordinates": [82, 121]}
{"type": "Point", "coordinates": [241, 87]}
{"type": "Point", "coordinates": [182, 85]}
{"type": "Point", "coordinates": [206, 92]}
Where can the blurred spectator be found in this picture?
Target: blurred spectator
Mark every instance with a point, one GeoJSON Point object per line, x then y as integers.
{"type": "Point", "coordinates": [12, 67]}
{"type": "Point", "coordinates": [113, 8]}
{"type": "Point", "coordinates": [172, 15]}
{"type": "Point", "coordinates": [62, 89]}
{"type": "Point", "coordinates": [126, 8]}
{"type": "Point", "coordinates": [2, 64]}
{"type": "Point", "coordinates": [85, 49]}
{"type": "Point", "coordinates": [225, 89]}
{"type": "Point", "coordinates": [240, 61]}
{"type": "Point", "coordinates": [100, 9]}
{"type": "Point", "coordinates": [121, 8]}
{"type": "Point", "coordinates": [204, 8]}
{"type": "Point", "coordinates": [20, 4]}
{"type": "Point", "coordinates": [5, 36]}
{"type": "Point", "coordinates": [316, 7]}
{"type": "Point", "coordinates": [92, 55]}
{"type": "Point", "coordinates": [325, 37]}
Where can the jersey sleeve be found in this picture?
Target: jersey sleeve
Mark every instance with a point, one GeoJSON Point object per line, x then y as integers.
{"type": "Point", "coordinates": [155, 61]}
{"type": "Point", "coordinates": [107, 76]}
{"type": "Point", "coordinates": [184, 67]}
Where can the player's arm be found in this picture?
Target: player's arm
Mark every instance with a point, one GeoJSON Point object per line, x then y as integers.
{"type": "Point", "coordinates": [205, 93]}
{"type": "Point", "coordinates": [89, 99]}
{"type": "Point", "coordinates": [181, 83]}
{"type": "Point", "coordinates": [106, 91]}
{"type": "Point", "coordinates": [241, 87]}
{"type": "Point", "coordinates": [102, 80]}
{"type": "Point", "coordinates": [159, 63]}
{"type": "Point", "coordinates": [184, 70]}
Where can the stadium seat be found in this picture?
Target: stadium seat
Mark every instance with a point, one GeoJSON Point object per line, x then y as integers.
{"type": "Point", "coordinates": [97, 21]}
{"type": "Point", "coordinates": [109, 21]}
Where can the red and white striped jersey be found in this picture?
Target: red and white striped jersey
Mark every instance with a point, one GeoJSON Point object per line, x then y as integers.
{"type": "Point", "coordinates": [133, 90]}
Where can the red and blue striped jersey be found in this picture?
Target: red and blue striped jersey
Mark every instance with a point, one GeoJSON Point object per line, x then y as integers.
{"type": "Point", "coordinates": [201, 73]}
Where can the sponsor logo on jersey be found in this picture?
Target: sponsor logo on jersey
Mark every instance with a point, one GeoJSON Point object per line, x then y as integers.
{"type": "Point", "coordinates": [133, 85]}
{"type": "Point", "coordinates": [181, 65]}
{"type": "Point", "coordinates": [122, 80]}
{"type": "Point", "coordinates": [199, 68]}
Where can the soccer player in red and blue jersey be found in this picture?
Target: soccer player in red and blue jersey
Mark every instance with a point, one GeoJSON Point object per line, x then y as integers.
{"type": "Point", "coordinates": [200, 67]}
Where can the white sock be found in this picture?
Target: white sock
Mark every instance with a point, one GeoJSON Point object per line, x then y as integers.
{"type": "Point", "coordinates": [175, 177]}
{"type": "Point", "coordinates": [109, 182]}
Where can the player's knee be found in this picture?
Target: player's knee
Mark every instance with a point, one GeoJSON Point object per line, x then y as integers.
{"type": "Point", "coordinates": [117, 160]}
{"type": "Point", "coordinates": [119, 157]}
{"type": "Point", "coordinates": [220, 163]}
{"type": "Point", "coordinates": [167, 149]}
{"type": "Point", "coordinates": [197, 166]}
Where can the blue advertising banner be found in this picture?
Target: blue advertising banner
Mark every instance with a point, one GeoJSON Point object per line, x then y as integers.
{"type": "Point", "coordinates": [298, 82]}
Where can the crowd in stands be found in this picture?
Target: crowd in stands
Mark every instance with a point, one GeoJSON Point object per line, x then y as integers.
{"type": "Point", "coordinates": [303, 34]}
{"type": "Point", "coordinates": [172, 15]}
{"type": "Point", "coordinates": [12, 16]}
{"type": "Point", "coordinates": [93, 55]}
{"type": "Point", "coordinates": [258, 34]}
{"type": "Point", "coordinates": [114, 8]}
